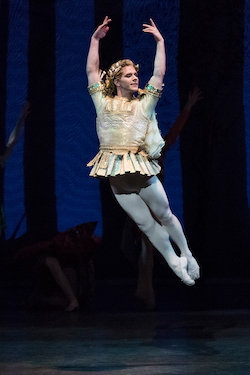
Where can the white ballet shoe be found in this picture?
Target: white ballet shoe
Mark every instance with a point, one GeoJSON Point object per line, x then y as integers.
{"type": "Point", "coordinates": [184, 276]}
{"type": "Point", "coordinates": [193, 268]}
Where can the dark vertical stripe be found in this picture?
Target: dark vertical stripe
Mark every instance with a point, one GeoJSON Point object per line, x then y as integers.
{"type": "Point", "coordinates": [112, 263]}
{"type": "Point", "coordinates": [111, 47]}
{"type": "Point", "coordinates": [39, 144]}
{"type": "Point", "coordinates": [211, 55]}
{"type": "Point", "coordinates": [4, 18]}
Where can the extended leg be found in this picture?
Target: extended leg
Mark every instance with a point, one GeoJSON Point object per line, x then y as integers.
{"type": "Point", "coordinates": [155, 197]}
{"type": "Point", "coordinates": [138, 210]}
{"type": "Point", "coordinates": [59, 276]}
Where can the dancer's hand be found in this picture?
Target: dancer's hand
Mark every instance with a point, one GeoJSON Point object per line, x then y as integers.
{"type": "Point", "coordinates": [102, 30]}
{"type": "Point", "coordinates": [193, 97]}
{"type": "Point", "coordinates": [152, 29]}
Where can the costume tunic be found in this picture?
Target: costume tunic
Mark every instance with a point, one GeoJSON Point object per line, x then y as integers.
{"type": "Point", "coordinates": [128, 133]}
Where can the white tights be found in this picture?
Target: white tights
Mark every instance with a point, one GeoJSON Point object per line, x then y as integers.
{"type": "Point", "coordinates": [145, 201]}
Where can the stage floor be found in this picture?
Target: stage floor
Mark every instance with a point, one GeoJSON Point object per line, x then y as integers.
{"type": "Point", "coordinates": [124, 340]}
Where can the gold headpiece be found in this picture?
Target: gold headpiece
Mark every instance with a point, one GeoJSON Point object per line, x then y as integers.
{"type": "Point", "coordinates": [114, 69]}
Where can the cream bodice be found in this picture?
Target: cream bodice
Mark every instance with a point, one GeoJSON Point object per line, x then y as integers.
{"type": "Point", "coordinates": [121, 123]}
{"type": "Point", "coordinates": [126, 127]}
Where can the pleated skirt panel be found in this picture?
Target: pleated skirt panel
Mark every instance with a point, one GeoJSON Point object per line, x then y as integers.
{"type": "Point", "coordinates": [109, 164]}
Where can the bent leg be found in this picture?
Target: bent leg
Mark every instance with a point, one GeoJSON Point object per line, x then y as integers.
{"type": "Point", "coordinates": [155, 197]}
{"type": "Point", "coordinates": [138, 210]}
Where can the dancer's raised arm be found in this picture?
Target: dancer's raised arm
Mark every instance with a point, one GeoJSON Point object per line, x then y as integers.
{"type": "Point", "coordinates": [92, 68]}
{"type": "Point", "coordinates": [15, 134]}
{"type": "Point", "coordinates": [160, 57]}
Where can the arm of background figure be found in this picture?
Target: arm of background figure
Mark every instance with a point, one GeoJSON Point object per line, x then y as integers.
{"type": "Point", "coordinates": [160, 57]}
{"type": "Point", "coordinates": [92, 68]}
{"type": "Point", "coordinates": [181, 120]}
{"type": "Point", "coordinates": [175, 130]}
{"type": "Point", "coordinates": [14, 136]}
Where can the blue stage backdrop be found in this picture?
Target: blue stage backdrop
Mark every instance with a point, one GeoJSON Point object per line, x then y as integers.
{"type": "Point", "coordinates": [77, 195]}
{"type": "Point", "coordinates": [17, 79]}
{"type": "Point", "coordinates": [247, 90]}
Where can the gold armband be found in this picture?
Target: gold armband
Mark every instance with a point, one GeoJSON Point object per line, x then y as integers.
{"type": "Point", "coordinates": [99, 86]}
{"type": "Point", "coordinates": [153, 91]}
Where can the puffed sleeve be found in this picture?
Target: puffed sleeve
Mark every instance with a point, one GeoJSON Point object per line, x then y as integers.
{"type": "Point", "coordinates": [149, 100]}
{"type": "Point", "coordinates": [153, 140]}
{"type": "Point", "coordinates": [97, 94]}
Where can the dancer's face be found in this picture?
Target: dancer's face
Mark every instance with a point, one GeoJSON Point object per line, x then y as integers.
{"type": "Point", "coordinates": [128, 83]}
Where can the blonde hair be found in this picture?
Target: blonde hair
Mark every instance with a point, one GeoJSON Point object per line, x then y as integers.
{"type": "Point", "coordinates": [115, 72]}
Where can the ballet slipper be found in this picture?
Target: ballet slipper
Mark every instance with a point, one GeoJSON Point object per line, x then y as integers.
{"type": "Point", "coordinates": [147, 298]}
{"type": "Point", "coordinates": [73, 306]}
{"type": "Point", "coordinates": [193, 268]}
{"type": "Point", "coordinates": [184, 276]}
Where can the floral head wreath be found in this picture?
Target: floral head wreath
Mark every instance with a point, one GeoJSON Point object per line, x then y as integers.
{"type": "Point", "coordinates": [111, 74]}
{"type": "Point", "coordinates": [116, 68]}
